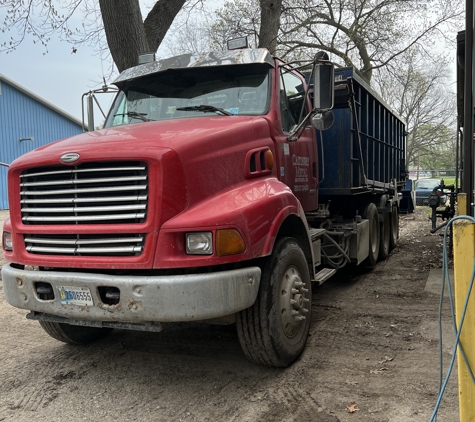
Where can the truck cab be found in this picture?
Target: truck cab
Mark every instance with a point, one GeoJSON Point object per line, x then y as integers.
{"type": "Point", "coordinates": [197, 201]}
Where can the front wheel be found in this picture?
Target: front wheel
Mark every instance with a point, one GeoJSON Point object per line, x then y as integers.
{"type": "Point", "coordinates": [274, 330]}
{"type": "Point", "coordinates": [74, 334]}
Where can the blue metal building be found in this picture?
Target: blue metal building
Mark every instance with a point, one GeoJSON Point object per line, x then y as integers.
{"type": "Point", "coordinates": [26, 123]}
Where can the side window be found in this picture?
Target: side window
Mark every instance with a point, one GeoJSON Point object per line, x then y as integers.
{"type": "Point", "coordinates": [292, 96]}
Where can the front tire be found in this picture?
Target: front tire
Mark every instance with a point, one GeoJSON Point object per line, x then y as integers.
{"type": "Point", "coordinates": [274, 330]}
{"type": "Point", "coordinates": [74, 334]}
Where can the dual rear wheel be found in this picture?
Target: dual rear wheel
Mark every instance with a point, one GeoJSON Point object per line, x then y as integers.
{"type": "Point", "coordinates": [391, 227]}
{"type": "Point", "coordinates": [371, 214]}
{"type": "Point", "coordinates": [383, 236]}
{"type": "Point", "coordinates": [394, 228]}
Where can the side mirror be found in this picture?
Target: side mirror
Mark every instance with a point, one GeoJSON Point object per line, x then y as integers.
{"type": "Point", "coordinates": [324, 85]}
{"type": "Point", "coordinates": [323, 120]}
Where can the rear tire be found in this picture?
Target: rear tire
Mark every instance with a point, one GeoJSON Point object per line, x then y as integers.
{"type": "Point", "coordinates": [371, 214]}
{"type": "Point", "coordinates": [384, 239]}
{"type": "Point", "coordinates": [274, 330]}
{"type": "Point", "coordinates": [394, 230]}
{"type": "Point", "coordinates": [74, 334]}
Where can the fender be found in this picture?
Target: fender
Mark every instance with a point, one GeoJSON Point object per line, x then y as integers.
{"type": "Point", "coordinates": [303, 235]}
{"type": "Point", "coordinates": [255, 208]}
{"type": "Point", "coordinates": [277, 224]}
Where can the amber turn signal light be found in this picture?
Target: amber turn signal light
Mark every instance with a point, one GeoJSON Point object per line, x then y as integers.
{"type": "Point", "coordinates": [229, 242]}
{"type": "Point", "coordinates": [270, 159]}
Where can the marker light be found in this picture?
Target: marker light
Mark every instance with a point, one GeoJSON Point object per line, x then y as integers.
{"type": "Point", "coordinates": [229, 242]}
{"type": "Point", "coordinates": [238, 43]}
{"type": "Point", "coordinates": [270, 159]}
{"type": "Point", "coordinates": [146, 58]}
{"type": "Point", "coordinates": [7, 241]}
{"type": "Point", "coordinates": [199, 243]}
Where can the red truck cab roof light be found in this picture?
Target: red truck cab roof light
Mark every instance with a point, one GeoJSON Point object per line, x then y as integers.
{"type": "Point", "coordinates": [146, 58]}
{"type": "Point", "coordinates": [238, 43]}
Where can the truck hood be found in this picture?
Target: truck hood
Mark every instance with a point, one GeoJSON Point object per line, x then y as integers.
{"type": "Point", "coordinates": [171, 167]}
{"type": "Point", "coordinates": [146, 138]}
{"type": "Point", "coordinates": [191, 159]}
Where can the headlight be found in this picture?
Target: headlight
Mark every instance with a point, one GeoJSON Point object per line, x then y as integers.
{"type": "Point", "coordinates": [199, 243]}
{"type": "Point", "coordinates": [7, 241]}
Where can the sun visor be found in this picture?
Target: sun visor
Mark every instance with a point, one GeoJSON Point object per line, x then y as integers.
{"type": "Point", "coordinates": [245, 56]}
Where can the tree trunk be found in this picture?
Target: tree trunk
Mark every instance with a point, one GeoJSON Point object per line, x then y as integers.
{"type": "Point", "coordinates": [124, 30]}
{"type": "Point", "coordinates": [270, 24]}
{"type": "Point", "coordinates": [159, 21]}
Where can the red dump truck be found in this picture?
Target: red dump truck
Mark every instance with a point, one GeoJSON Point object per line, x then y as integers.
{"type": "Point", "coordinates": [207, 196]}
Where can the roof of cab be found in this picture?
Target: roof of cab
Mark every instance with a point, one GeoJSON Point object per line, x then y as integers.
{"type": "Point", "coordinates": [232, 57]}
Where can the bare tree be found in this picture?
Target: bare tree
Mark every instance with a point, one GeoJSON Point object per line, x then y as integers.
{"type": "Point", "coordinates": [441, 155]}
{"type": "Point", "coordinates": [270, 23]}
{"type": "Point", "coordinates": [126, 32]}
{"type": "Point", "coordinates": [236, 19]}
{"type": "Point", "coordinates": [365, 34]}
{"type": "Point", "coordinates": [192, 33]}
{"type": "Point", "coordinates": [419, 91]}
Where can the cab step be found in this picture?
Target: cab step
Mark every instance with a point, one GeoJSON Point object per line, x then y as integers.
{"type": "Point", "coordinates": [324, 274]}
{"type": "Point", "coordinates": [316, 234]}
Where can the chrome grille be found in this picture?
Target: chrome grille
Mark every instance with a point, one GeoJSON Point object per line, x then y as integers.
{"type": "Point", "coordinates": [85, 245]}
{"type": "Point", "coordinates": [91, 193]}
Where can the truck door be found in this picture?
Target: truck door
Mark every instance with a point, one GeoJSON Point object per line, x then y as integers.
{"type": "Point", "coordinates": [297, 160]}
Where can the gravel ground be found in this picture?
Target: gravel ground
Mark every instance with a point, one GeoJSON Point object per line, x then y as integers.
{"type": "Point", "coordinates": [372, 356]}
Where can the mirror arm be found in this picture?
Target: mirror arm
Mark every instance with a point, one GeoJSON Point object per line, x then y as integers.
{"type": "Point", "coordinates": [294, 136]}
{"type": "Point", "coordinates": [297, 132]}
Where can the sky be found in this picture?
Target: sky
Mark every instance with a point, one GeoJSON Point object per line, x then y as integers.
{"type": "Point", "coordinates": [60, 76]}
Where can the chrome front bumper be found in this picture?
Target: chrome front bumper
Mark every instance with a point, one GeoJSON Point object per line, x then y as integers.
{"type": "Point", "coordinates": [142, 299]}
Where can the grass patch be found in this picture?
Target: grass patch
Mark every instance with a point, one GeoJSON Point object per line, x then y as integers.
{"type": "Point", "coordinates": [450, 181]}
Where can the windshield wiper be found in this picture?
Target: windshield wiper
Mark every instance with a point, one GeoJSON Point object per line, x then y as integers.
{"type": "Point", "coordinates": [136, 114]}
{"type": "Point", "coordinates": [205, 108]}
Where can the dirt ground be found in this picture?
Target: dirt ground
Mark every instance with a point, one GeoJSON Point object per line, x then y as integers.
{"type": "Point", "coordinates": [374, 343]}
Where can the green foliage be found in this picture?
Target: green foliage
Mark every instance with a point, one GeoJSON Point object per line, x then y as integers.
{"type": "Point", "coordinates": [440, 153]}
{"type": "Point", "coordinates": [417, 90]}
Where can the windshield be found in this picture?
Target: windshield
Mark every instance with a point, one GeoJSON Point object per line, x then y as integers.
{"type": "Point", "coordinates": [183, 93]}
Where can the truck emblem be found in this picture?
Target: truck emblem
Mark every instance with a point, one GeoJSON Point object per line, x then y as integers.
{"type": "Point", "coordinates": [69, 157]}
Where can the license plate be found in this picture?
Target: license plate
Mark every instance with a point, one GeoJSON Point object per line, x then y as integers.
{"type": "Point", "coordinates": [75, 295]}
